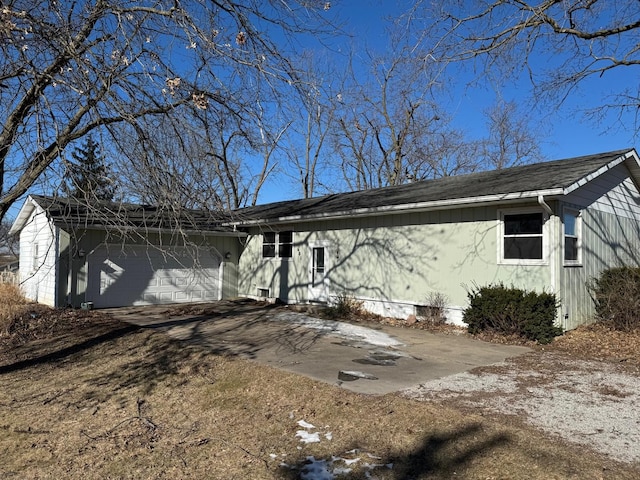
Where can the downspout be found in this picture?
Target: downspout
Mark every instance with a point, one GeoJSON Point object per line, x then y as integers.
{"type": "Point", "coordinates": [56, 281]}
{"type": "Point", "coordinates": [545, 205]}
{"type": "Point", "coordinates": [553, 253]}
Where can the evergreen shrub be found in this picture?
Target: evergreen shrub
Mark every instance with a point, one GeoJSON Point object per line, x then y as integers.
{"type": "Point", "coordinates": [512, 311]}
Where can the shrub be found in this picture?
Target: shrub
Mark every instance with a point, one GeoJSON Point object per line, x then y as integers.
{"type": "Point", "coordinates": [434, 312]}
{"type": "Point", "coordinates": [13, 304]}
{"type": "Point", "coordinates": [512, 311]}
{"type": "Point", "coordinates": [616, 294]}
{"type": "Point", "coordinates": [345, 306]}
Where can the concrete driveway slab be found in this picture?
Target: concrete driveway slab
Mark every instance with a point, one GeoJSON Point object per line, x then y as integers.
{"type": "Point", "coordinates": [372, 359]}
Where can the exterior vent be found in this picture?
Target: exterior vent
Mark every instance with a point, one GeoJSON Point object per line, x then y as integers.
{"type": "Point", "coordinates": [263, 292]}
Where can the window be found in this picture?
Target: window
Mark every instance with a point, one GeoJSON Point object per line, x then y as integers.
{"type": "Point", "coordinates": [285, 244]}
{"type": "Point", "coordinates": [571, 221]}
{"type": "Point", "coordinates": [522, 237]}
{"type": "Point", "coordinates": [269, 244]}
{"type": "Point", "coordinates": [280, 243]}
{"type": "Point", "coordinates": [34, 257]}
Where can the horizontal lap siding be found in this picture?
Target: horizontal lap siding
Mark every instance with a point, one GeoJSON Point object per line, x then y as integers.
{"type": "Point", "coordinates": [38, 269]}
{"type": "Point", "coordinates": [399, 258]}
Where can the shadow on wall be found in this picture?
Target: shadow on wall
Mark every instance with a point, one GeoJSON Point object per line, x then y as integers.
{"type": "Point", "coordinates": [151, 274]}
{"type": "Point", "coordinates": [382, 263]}
{"type": "Point", "coordinates": [117, 277]}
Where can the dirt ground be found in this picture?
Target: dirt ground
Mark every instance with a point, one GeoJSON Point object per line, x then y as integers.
{"type": "Point", "coordinates": [84, 396]}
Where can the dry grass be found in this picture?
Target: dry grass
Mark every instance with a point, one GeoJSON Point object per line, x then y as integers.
{"type": "Point", "coordinates": [112, 401]}
{"type": "Point", "coordinates": [13, 305]}
{"type": "Point", "coordinates": [599, 341]}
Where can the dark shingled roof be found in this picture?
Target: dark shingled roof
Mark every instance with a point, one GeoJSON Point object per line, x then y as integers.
{"type": "Point", "coordinates": [558, 174]}
{"type": "Point", "coordinates": [71, 213]}
{"type": "Point", "coordinates": [516, 182]}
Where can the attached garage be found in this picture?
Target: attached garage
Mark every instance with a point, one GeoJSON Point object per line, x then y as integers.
{"type": "Point", "coordinates": [120, 275]}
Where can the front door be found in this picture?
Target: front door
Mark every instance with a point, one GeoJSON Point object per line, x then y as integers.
{"type": "Point", "coordinates": [319, 282]}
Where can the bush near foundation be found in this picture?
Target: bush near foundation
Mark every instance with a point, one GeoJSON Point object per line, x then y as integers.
{"type": "Point", "coordinates": [616, 294]}
{"type": "Point", "coordinates": [345, 306]}
{"type": "Point", "coordinates": [512, 311]}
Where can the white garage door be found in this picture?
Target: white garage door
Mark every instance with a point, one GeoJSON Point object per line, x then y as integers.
{"type": "Point", "coordinates": [141, 275]}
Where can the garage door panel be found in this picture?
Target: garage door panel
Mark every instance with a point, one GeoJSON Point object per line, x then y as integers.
{"type": "Point", "coordinates": [137, 276]}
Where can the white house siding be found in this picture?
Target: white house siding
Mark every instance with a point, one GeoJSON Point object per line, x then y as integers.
{"type": "Point", "coordinates": [392, 262]}
{"type": "Point", "coordinates": [38, 254]}
{"type": "Point", "coordinates": [611, 237]}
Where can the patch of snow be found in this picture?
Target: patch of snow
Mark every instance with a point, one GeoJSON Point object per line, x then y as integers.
{"type": "Point", "coordinates": [307, 437]}
{"type": "Point", "coordinates": [327, 469]}
{"type": "Point", "coordinates": [340, 329]}
{"type": "Point", "coordinates": [358, 374]}
{"type": "Point", "coordinates": [304, 424]}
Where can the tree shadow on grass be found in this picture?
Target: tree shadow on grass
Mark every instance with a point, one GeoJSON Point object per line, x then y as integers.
{"type": "Point", "coordinates": [38, 353]}
{"type": "Point", "coordinates": [442, 455]}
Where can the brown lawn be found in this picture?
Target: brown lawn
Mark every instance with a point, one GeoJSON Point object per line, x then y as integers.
{"type": "Point", "coordinates": [83, 396]}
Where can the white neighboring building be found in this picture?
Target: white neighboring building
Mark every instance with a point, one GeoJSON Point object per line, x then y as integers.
{"type": "Point", "coordinates": [39, 251]}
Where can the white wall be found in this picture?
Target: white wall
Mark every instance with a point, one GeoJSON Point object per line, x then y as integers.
{"type": "Point", "coordinates": [38, 254]}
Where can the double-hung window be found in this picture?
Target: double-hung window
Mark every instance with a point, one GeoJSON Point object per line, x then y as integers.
{"type": "Point", "coordinates": [572, 226]}
{"type": "Point", "coordinates": [522, 237]}
{"type": "Point", "coordinates": [277, 244]}
{"type": "Point", "coordinates": [35, 259]}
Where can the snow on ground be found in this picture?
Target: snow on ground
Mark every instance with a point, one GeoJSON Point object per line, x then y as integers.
{"type": "Point", "coordinates": [340, 329]}
{"type": "Point", "coordinates": [592, 403]}
{"type": "Point", "coordinates": [331, 468]}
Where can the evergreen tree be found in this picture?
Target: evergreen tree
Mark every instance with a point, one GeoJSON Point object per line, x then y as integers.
{"type": "Point", "coordinates": [88, 175]}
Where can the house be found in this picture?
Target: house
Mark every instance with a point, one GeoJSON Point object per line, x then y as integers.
{"type": "Point", "coordinates": [112, 254]}
{"type": "Point", "coordinates": [547, 227]}
{"type": "Point", "coordinates": [550, 226]}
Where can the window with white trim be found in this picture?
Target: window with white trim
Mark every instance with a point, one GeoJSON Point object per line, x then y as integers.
{"type": "Point", "coordinates": [522, 237]}
{"type": "Point", "coordinates": [572, 228]}
{"type": "Point", "coordinates": [35, 260]}
{"type": "Point", "coordinates": [277, 244]}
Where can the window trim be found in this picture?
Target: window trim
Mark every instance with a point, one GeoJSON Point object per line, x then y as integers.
{"type": "Point", "coordinates": [274, 244]}
{"type": "Point", "coordinates": [277, 245]}
{"type": "Point", "coordinates": [578, 235]}
{"type": "Point", "coordinates": [502, 213]}
{"type": "Point", "coordinates": [35, 257]}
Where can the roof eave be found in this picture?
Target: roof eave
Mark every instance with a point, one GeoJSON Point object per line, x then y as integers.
{"type": "Point", "coordinates": [130, 229]}
{"type": "Point", "coordinates": [408, 207]}
{"type": "Point", "coordinates": [630, 159]}
{"type": "Point", "coordinates": [25, 212]}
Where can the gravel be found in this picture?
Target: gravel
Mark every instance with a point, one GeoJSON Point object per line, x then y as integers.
{"type": "Point", "coordinates": [588, 402]}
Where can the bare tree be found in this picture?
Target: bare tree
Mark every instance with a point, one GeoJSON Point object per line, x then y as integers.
{"type": "Point", "coordinates": [68, 69]}
{"type": "Point", "coordinates": [313, 113]}
{"type": "Point", "coordinates": [512, 140]}
{"type": "Point", "coordinates": [393, 130]}
{"type": "Point", "coordinates": [211, 160]}
{"type": "Point", "coordinates": [559, 45]}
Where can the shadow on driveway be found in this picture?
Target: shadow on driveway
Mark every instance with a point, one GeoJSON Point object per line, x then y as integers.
{"type": "Point", "coordinates": [376, 359]}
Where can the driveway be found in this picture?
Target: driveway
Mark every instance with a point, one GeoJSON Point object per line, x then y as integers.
{"type": "Point", "coordinates": [372, 359]}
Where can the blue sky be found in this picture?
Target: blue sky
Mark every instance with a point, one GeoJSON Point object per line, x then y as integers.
{"type": "Point", "coordinates": [563, 131]}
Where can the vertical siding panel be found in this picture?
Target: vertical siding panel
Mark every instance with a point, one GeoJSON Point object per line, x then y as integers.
{"type": "Point", "coordinates": [609, 241]}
